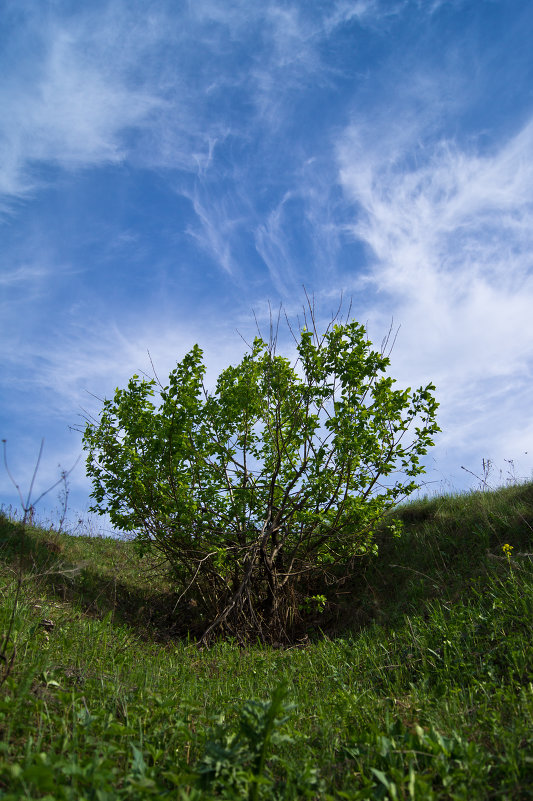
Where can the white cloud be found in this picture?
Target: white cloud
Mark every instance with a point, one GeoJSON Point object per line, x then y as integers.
{"type": "Point", "coordinates": [450, 233]}
{"type": "Point", "coordinates": [217, 220]}
{"type": "Point", "coordinates": [25, 274]}
{"type": "Point", "coordinates": [68, 105]}
{"type": "Point", "coordinates": [122, 83]}
{"type": "Point", "coordinates": [272, 245]}
{"type": "Point", "coordinates": [365, 12]}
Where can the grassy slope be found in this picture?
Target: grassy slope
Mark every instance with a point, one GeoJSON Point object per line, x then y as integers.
{"type": "Point", "coordinates": [421, 686]}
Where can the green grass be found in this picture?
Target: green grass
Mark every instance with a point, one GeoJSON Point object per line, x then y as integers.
{"type": "Point", "coordinates": [416, 682]}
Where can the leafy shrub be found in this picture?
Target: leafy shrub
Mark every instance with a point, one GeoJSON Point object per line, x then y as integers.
{"type": "Point", "coordinates": [277, 476]}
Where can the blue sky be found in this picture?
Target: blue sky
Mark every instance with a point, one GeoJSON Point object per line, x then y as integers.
{"type": "Point", "coordinates": [167, 167]}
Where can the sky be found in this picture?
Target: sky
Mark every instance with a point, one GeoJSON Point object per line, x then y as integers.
{"type": "Point", "coordinates": [168, 169]}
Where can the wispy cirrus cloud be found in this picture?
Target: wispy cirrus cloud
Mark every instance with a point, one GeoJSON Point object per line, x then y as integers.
{"type": "Point", "coordinates": [220, 218]}
{"type": "Point", "coordinates": [449, 231]}
{"type": "Point", "coordinates": [118, 83]}
{"type": "Point", "coordinates": [272, 244]}
{"type": "Point", "coordinates": [24, 274]}
{"type": "Point", "coordinates": [300, 238]}
{"type": "Point", "coordinates": [70, 106]}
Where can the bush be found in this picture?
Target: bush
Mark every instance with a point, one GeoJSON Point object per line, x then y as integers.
{"type": "Point", "coordinates": [274, 479]}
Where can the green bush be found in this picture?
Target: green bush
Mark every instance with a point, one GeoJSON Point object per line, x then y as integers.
{"type": "Point", "coordinates": [277, 476]}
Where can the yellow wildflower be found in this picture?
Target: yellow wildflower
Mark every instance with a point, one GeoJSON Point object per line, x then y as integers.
{"type": "Point", "coordinates": [507, 549]}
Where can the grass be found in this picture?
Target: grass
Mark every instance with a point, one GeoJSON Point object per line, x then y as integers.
{"type": "Point", "coordinates": [415, 682]}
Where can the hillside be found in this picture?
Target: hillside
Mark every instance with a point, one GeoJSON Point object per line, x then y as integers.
{"type": "Point", "coordinates": [415, 681]}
